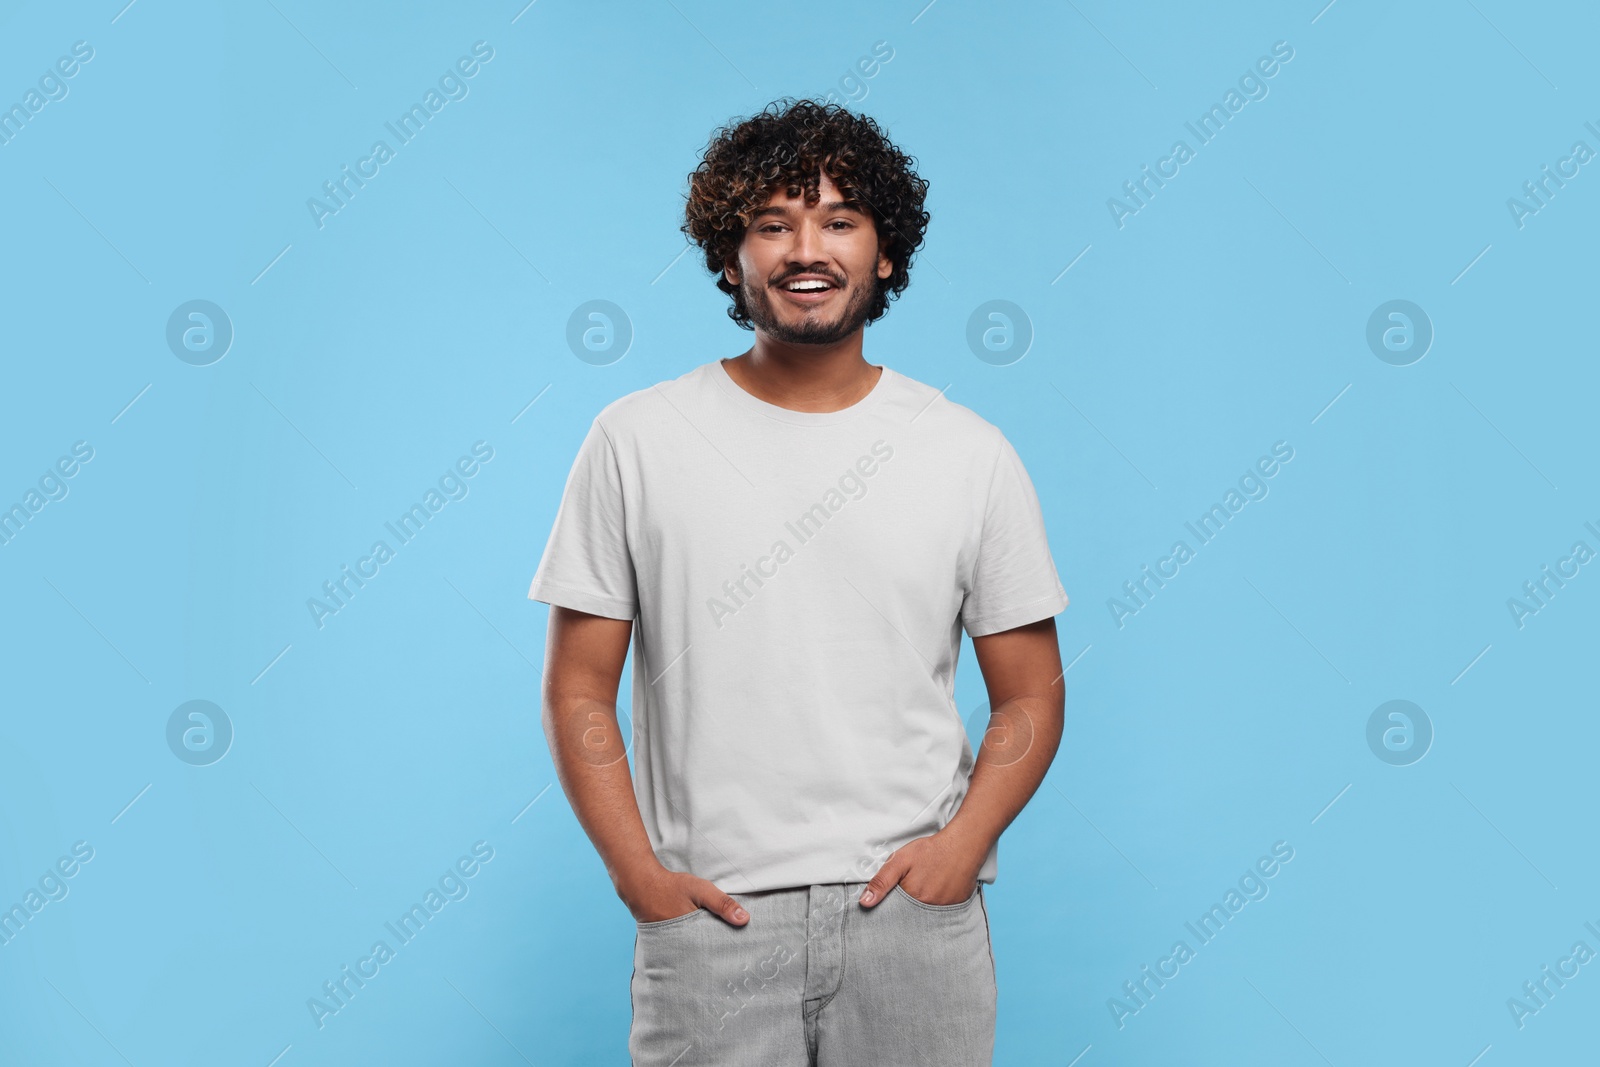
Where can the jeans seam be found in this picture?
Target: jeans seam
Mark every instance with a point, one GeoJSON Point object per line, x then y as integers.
{"type": "Point", "coordinates": [988, 942]}
{"type": "Point", "coordinates": [633, 1003]}
{"type": "Point", "coordinates": [843, 942]}
{"type": "Point", "coordinates": [844, 945]}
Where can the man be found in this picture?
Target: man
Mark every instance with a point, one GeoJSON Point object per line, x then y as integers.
{"type": "Point", "coordinates": [800, 536]}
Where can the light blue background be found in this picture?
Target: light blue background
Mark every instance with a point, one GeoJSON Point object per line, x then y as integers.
{"type": "Point", "coordinates": [425, 316]}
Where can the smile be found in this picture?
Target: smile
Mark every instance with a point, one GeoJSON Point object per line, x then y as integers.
{"type": "Point", "coordinates": [807, 290]}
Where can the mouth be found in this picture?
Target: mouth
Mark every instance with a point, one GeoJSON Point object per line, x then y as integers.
{"type": "Point", "coordinates": [807, 289]}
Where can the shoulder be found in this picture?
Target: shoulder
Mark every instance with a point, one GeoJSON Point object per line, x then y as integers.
{"type": "Point", "coordinates": [637, 412]}
{"type": "Point", "coordinates": [929, 410]}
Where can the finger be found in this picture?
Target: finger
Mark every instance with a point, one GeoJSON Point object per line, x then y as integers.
{"type": "Point", "coordinates": [888, 876]}
{"type": "Point", "coordinates": [726, 908]}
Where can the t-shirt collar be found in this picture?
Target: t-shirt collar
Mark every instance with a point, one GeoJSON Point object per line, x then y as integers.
{"type": "Point", "coordinates": [756, 405]}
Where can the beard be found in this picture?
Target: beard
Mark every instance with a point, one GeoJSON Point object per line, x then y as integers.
{"type": "Point", "coordinates": [813, 329]}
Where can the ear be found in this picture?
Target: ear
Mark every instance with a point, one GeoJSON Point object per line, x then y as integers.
{"type": "Point", "coordinates": [885, 264]}
{"type": "Point", "coordinates": [730, 270]}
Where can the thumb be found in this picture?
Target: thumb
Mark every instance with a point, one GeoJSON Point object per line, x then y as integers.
{"type": "Point", "coordinates": [888, 876]}
{"type": "Point", "coordinates": [715, 900]}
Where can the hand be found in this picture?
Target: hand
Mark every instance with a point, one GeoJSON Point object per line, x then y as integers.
{"type": "Point", "coordinates": [939, 869]}
{"type": "Point", "coordinates": [662, 894]}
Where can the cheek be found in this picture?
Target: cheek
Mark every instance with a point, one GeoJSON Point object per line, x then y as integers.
{"type": "Point", "coordinates": [754, 262]}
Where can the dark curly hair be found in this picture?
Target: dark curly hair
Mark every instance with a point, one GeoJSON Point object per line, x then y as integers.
{"type": "Point", "coordinates": [788, 146]}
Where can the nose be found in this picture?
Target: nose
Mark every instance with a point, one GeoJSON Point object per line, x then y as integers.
{"type": "Point", "coordinates": [807, 246]}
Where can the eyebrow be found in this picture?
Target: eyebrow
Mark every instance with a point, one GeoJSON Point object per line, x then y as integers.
{"type": "Point", "coordinates": [828, 208]}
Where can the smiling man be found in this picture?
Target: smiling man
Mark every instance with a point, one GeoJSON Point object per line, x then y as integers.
{"type": "Point", "coordinates": [793, 539]}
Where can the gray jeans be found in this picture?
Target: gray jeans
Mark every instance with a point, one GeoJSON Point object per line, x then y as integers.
{"type": "Point", "coordinates": [816, 980]}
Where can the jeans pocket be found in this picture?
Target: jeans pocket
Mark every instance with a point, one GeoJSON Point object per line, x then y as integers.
{"type": "Point", "coordinates": [939, 907]}
{"type": "Point", "coordinates": [676, 920]}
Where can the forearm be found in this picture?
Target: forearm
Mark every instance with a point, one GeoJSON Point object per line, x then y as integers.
{"type": "Point", "coordinates": [590, 756]}
{"type": "Point", "coordinates": [1023, 734]}
{"type": "Point", "coordinates": [1019, 745]}
{"type": "Point", "coordinates": [1027, 692]}
{"type": "Point", "coordinates": [591, 760]}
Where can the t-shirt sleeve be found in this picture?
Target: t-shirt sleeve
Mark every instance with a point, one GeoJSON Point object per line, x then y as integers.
{"type": "Point", "coordinates": [586, 564]}
{"type": "Point", "coordinates": [1014, 581]}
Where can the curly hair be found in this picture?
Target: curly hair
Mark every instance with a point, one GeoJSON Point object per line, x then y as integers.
{"type": "Point", "coordinates": [788, 148]}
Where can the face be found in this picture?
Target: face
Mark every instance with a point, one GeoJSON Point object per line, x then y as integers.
{"type": "Point", "coordinates": [808, 273]}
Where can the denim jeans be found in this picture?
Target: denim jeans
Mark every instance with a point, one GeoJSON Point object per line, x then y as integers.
{"type": "Point", "coordinates": [816, 980]}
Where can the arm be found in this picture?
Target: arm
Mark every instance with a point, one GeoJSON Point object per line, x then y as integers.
{"type": "Point", "coordinates": [584, 655]}
{"type": "Point", "coordinates": [1027, 697]}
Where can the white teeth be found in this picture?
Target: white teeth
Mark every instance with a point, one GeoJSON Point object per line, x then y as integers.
{"type": "Point", "coordinates": [806, 286]}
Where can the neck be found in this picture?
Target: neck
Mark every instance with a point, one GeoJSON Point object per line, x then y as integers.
{"type": "Point", "coordinates": [815, 378]}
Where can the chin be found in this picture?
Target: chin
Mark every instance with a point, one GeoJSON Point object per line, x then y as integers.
{"type": "Point", "coordinates": [804, 326]}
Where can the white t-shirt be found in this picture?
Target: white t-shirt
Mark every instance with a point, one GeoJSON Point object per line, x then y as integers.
{"type": "Point", "coordinates": [798, 582]}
